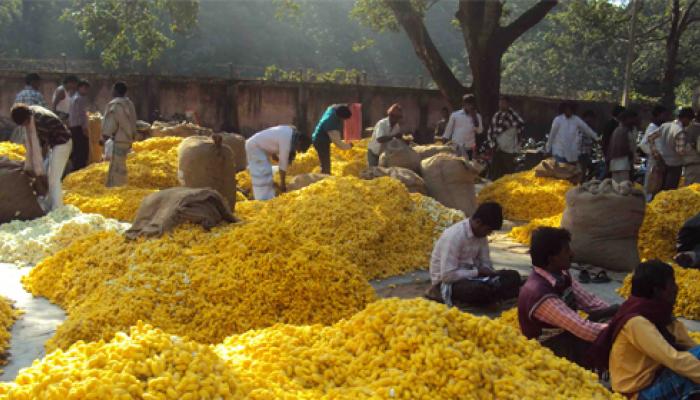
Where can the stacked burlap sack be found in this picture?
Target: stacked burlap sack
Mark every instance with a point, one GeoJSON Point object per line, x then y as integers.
{"type": "Point", "coordinates": [397, 153]}
{"type": "Point", "coordinates": [303, 180]}
{"type": "Point", "coordinates": [552, 169]}
{"type": "Point", "coordinates": [429, 151]}
{"type": "Point", "coordinates": [206, 162]}
{"type": "Point", "coordinates": [19, 191]}
{"type": "Point", "coordinates": [413, 182]}
{"type": "Point", "coordinates": [604, 219]}
{"type": "Point", "coordinates": [180, 129]}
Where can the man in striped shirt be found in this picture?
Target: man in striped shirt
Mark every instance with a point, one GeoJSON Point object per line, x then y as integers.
{"type": "Point", "coordinates": [549, 301]}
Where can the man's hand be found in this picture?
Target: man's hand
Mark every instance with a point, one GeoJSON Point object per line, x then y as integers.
{"type": "Point", "coordinates": [485, 271]}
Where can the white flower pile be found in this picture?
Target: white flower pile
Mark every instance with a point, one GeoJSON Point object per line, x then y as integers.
{"type": "Point", "coordinates": [28, 242]}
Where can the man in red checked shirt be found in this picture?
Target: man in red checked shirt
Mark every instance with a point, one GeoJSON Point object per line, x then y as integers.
{"type": "Point", "coordinates": [549, 301]}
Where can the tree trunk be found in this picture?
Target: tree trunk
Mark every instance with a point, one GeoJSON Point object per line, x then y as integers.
{"type": "Point", "coordinates": [486, 73]}
{"type": "Point", "coordinates": [668, 95]}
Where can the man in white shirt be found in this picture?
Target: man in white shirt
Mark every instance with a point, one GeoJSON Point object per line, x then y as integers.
{"type": "Point", "coordinates": [460, 266]}
{"type": "Point", "coordinates": [659, 116]}
{"type": "Point", "coordinates": [386, 129]}
{"type": "Point", "coordinates": [282, 141]}
{"type": "Point", "coordinates": [563, 142]}
{"type": "Point", "coordinates": [62, 96]}
{"type": "Point", "coordinates": [463, 127]}
{"type": "Point", "coordinates": [668, 145]}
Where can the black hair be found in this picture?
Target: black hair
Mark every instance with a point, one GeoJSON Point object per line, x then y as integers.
{"type": "Point", "coordinates": [20, 113]}
{"type": "Point", "coordinates": [504, 97]}
{"type": "Point", "coordinates": [686, 112]}
{"type": "Point", "coordinates": [490, 214]}
{"type": "Point", "coordinates": [658, 110]}
{"type": "Point", "coordinates": [650, 275]}
{"type": "Point", "coordinates": [546, 242]}
{"type": "Point", "coordinates": [120, 88]}
{"type": "Point", "coordinates": [31, 78]}
{"type": "Point", "coordinates": [70, 78]}
{"type": "Point", "coordinates": [342, 111]}
{"type": "Point", "coordinates": [588, 114]}
{"type": "Point", "coordinates": [617, 110]}
{"type": "Point", "coordinates": [83, 83]}
{"type": "Point", "coordinates": [469, 99]}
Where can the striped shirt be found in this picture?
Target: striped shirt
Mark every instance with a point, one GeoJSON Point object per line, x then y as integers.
{"type": "Point", "coordinates": [30, 97]}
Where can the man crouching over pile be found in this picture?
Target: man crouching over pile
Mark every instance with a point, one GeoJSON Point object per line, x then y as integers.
{"type": "Point", "coordinates": [460, 267]}
{"type": "Point", "coordinates": [549, 300]}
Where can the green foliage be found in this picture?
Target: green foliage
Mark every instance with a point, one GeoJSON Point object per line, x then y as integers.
{"type": "Point", "coordinates": [138, 30]}
{"type": "Point", "coordinates": [9, 9]}
{"type": "Point", "coordinates": [338, 75]}
{"type": "Point", "coordinates": [363, 44]}
{"type": "Point", "coordinates": [376, 15]}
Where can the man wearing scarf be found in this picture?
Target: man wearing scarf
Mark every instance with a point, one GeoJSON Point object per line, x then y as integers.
{"type": "Point", "coordinates": [549, 300]}
{"type": "Point", "coordinates": [506, 128]}
{"type": "Point", "coordinates": [119, 125]}
{"type": "Point", "coordinates": [281, 141]}
{"type": "Point", "coordinates": [649, 353]}
{"type": "Point", "coordinates": [44, 129]}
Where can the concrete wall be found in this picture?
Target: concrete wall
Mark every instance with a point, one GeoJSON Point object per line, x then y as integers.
{"type": "Point", "coordinates": [248, 106]}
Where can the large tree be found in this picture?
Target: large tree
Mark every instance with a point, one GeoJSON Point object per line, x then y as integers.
{"type": "Point", "coordinates": [485, 36]}
{"type": "Point", "coordinates": [126, 30]}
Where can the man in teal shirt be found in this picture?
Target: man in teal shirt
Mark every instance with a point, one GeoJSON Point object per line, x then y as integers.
{"type": "Point", "coordinates": [329, 129]}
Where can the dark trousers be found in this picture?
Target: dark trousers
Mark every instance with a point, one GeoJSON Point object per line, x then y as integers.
{"type": "Point", "coordinates": [324, 156]}
{"type": "Point", "coordinates": [372, 159]}
{"type": "Point", "coordinates": [586, 164]}
{"type": "Point", "coordinates": [502, 164]}
{"type": "Point", "coordinates": [81, 148]}
{"type": "Point", "coordinates": [672, 177]}
{"type": "Point", "coordinates": [474, 292]}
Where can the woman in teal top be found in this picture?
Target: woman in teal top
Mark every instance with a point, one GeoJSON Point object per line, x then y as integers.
{"type": "Point", "coordinates": [329, 129]}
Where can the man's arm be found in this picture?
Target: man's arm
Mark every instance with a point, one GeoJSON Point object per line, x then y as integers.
{"type": "Point", "coordinates": [583, 126]}
{"type": "Point", "coordinates": [109, 123]}
{"type": "Point", "coordinates": [586, 300]}
{"type": "Point", "coordinates": [555, 312]}
{"type": "Point", "coordinates": [335, 138]}
{"type": "Point", "coordinates": [484, 264]}
{"type": "Point", "coordinates": [479, 129]}
{"type": "Point", "coordinates": [449, 129]}
{"type": "Point", "coordinates": [58, 97]}
{"type": "Point", "coordinates": [449, 262]}
{"type": "Point", "coordinates": [552, 134]}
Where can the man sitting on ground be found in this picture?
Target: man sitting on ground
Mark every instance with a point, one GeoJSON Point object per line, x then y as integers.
{"type": "Point", "coordinates": [549, 300]}
{"type": "Point", "coordinates": [688, 244]}
{"type": "Point", "coordinates": [649, 352]}
{"type": "Point", "coordinates": [460, 267]}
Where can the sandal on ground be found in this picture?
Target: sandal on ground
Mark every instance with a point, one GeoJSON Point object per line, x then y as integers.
{"type": "Point", "coordinates": [584, 277]}
{"type": "Point", "coordinates": [600, 277]}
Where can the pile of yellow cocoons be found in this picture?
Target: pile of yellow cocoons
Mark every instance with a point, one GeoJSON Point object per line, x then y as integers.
{"type": "Point", "coordinates": [13, 151]}
{"type": "Point", "coordinates": [8, 315]}
{"type": "Point", "coordinates": [404, 349]}
{"type": "Point", "coordinates": [522, 234]}
{"type": "Point", "coordinates": [688, 300]}
{"type": "Point", "coordinates": [525, 197]}
{"type": "Point", "coordinates": [152, 166]}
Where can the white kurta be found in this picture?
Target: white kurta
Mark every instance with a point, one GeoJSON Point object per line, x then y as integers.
{"type": "Point", "coordinates": [259, 147]}
{"type": "Point", "coordinates": [382, 129]}
{"type": "Point", "coordinates": [564, 137]}
{"type": "Point", "coordinates": [461, 129]}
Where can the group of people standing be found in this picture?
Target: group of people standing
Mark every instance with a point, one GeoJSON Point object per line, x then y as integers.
{"type": "Point", "coordinates": [53, 135]}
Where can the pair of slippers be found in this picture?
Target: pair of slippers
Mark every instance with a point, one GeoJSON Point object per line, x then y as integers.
{"type": "Point", "coordinates": [586, 277]}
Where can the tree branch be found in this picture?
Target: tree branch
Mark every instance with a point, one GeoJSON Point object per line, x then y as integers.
{"type": "Point", "coordinates": [685, 17]}
{"type": "Point", "coordinates": [525, 21]}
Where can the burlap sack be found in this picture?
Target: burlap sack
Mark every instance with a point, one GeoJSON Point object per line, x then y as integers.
{"type": "Point", "coordinates": [604, 219]}
{"type": "Point", "coordinates": [181, 129]}
{"type": "Point", "coordinates": [450, 180]}
{"type": "Point", "coordinates": [304, 180]}
{"type": "Point", "coordinates": [143, 130]}
{"type": "Point", "coordinates": [237, 143]}
{"type": "Point", "coordinates": [18, 193]}
{"type": "Point", "coordinates": [429, 151]}
{"type": "Point", "coordinates": [206, 163]}
{"type": "Point", "coordinates": [551, 169]}
{"type": "Point", "coordinates": [398, 154]}
{"type": "Point", "coordinates": [413, 182]}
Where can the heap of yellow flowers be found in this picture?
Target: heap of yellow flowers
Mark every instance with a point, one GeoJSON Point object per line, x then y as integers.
{"type": "Point", "coordinates": [664, 217]}
{"type": "Point", "coordinates": [688, 301]}
{"type": "Point", "coordinates": [8, 315]}
{"type": "Point", "coordinates": [407, 349]}
{"type": "Point", "coordinates": [147, 364]}
{"type": "Point", "coordinates": [521, 234]}
{"type": "Point", "coordinates": [13, 151]}
{"type": "Point", "coordinates": [525, 197]}
{"type": "Point", "coordinates": [152, 166]}
{"type": "Point", "coordinates": [695, 336]}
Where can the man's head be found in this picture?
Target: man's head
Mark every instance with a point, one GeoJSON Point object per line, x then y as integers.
{"type": "Point", "coordinates": [119, 89]}
{"type": "Point", "coordinates": [469, 103]}
{"type": "Point", "coordinates": [685, 115]}
{"type": "Point", "coordinates": [588, 117]}
{"type": "Point", "coordinates": [302, 142]}
{"type": "Point", "coordinates": [83, 87]}
{"type": "Point", "coordinates": [445, 112]}
{"type": "Point", "coordinates": [395, 113]}
{"type": "Point", "coordinates": [550, 250]}
{"type": "Point", "coordinates": [21, 113]}
{"type": "Point", "coordinates": [655, 280]}
{"type": "Point", "coordinates": [33, 80]}
{"type": "Point", "coordinates": [70, 83]}
{"type": "Point", "coordinates": [659, 114]}
{"type": "Point", "coordinates": [503, 103]}
{"type": "Point", "coordinates": [629, 118]}
{"type": "Point", "coordinates": [486, 219]}
{"type": "Point", "coordinates": [617, 110]}
{"type": "Point", "coordinates": [567, 108]}
{"type": "Point", "coordinates": [343, 111]}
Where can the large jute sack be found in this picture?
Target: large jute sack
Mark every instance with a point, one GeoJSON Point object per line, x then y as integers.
{"type": "Point", "coordinates": [303, 180]}
{"type": "Point", "coordinates": [18, 193]}
{"type": "Point", "coordinates": [604, 220]}
{"type": "Point", "coordinates": [205, 162]}
{"type": "Point", "coordinates": [429, 151]}
{"type": "Point", "coordinates": [180, 129]}
{"type": "Point", "coordinates": [237, 143]}
{"type": "Point", "coordinates": [550, 168]}
{"type": "Point", "coordinates": [399, 154]}
{"type": "Point", "coordinates": [450, 180]}
{"type": "Point", "coordinates": [413, 182]}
